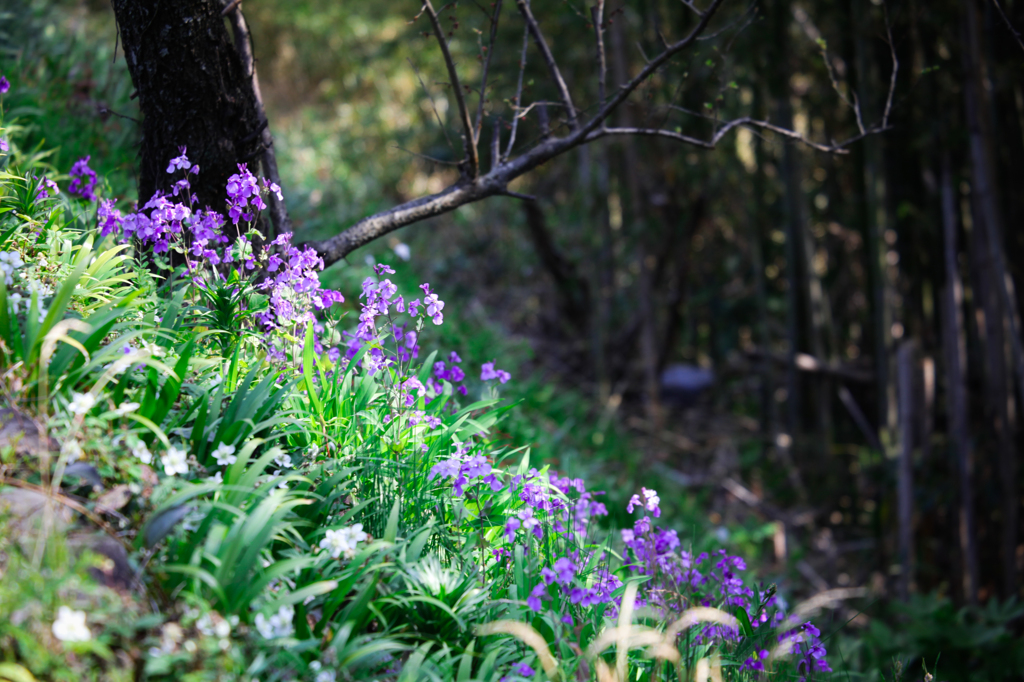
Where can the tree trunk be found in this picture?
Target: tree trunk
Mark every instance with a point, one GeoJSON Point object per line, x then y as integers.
{"type": "Point", "coordinates": [978, 100]}
{"type": "Point", "coordinates": [955, 351]}
{"type": "Point", "coordinates": [193, 92]}
{"type": "Point", "coordinates": [905, 475]}
{"type": "Point", "coordinates": [882, 288]}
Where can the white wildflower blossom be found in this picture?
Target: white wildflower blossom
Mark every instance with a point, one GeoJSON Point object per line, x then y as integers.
{"type": "Point", "coordinates": [212, 624]}
{"type": "Point", "coordinates": [70, 625]}
{"type": "Point", "coordinates": [216, 478]}
{"type": "Point", "coordinates": [283, 461]}
{"type": "Point", "coordinates": [343, 540]}
{"type": "Point", "coordinates": [225, 454]}
{"type": "Point", "coordinates": [402, 251]}
{"type": "Point", "coordinates": [9, 262]}
{"type": "Point", "coordinates": [126, 408]}
{"type": "Point", "coordinates": [278, 625]}
{"type": "Point", "coordinates": [142, 453]}
{"type": "Point", "coordinates": [313, 451]}
{"type": "Point", "coordinates": [174, 461]}
{"type": "Point", "coordinates": [326, 676]}
{"type": "Point", "coordinates": [81, 402]}
{"type": "Point", "coordinates": [72, 450]}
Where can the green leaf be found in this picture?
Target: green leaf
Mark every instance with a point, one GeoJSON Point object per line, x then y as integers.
{"type": "Point", "coordinates": [391, 530]}
{"type": "Point", "coordinates": [744, 619]}
{"type": "Point", "coordinates": [308, 360]}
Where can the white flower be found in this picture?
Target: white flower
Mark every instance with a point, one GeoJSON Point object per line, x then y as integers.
{"type": "Point", "coordinates": [402, 251]}
{"type": "Point", "coordinates": [326, 675]}
{"type": "Point", "coordinates": [343, 540]}
{"type": "Point", "coordinates": [213, 624]}
{"type": "Point", "coordinates": [216, 478]}
{"type": "Point", "coordinates": [143, 453]}
{"type": "Point", "coordinates": [278, 625]}
{"type": "Point", "coordinates": [174, 462]}
{"type": "Point", "coordinates": [70, 626]}
{"type": "Point", "coordinates": [81, 402]}
{"type": "Point", "coordinates": [313, 451]}
{"type": "Point", "coordinates": [73, 450]}
{"type": "Point", "coordinates": [283, 461]}
{"type": "Point", "coordinates": [9, 262]}
{"type": "Point", "coordinates": [225, 454]}
{"type": "Point", "coordinates": [126, 408]}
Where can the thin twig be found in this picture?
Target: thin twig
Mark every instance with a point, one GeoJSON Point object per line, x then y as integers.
{"type": "Point", "coordinates": [433, 106]}
{"type": "Point", "coordinates": [425, 157]}
{"type": "Point", "coordinates": [469, 144]}
{"type": "Point", "coordinates": [1006, 20]}
{"type": "Point", "coordinates": [627, 89]}
{"type": "Point", "coordinates": [597, 17]}
{"type": "Point", "coordinates": [895, 66]}
{"type": "Point", "coordinates": [519, 94]}
{"type": "Point", "coordinates": [487, 67]}
{"type": "Point", "coordinates": [549, 59]}
{"type": "Point", "coordinates": [691, 6]}
{"type": "Point", "coordinates": [495, 142]}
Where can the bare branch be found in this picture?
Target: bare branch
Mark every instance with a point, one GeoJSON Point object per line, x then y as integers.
{"type": "Point", "coordinates": [549, 59]}
{"type": "Point", "coordinates": [691, 6]}
{"type": "Point", "coordinates": [472, 188]}
{"type": "Point", "coordinates": [652, 66]}
{"type": "Point", "coordinates": [519, 94]}
{"type": "Point", "coordinates": [425, 157]}
{"type": "Point", "coordinates": [597, 17]}
{"type": "Point", "coordinates": [469, 143]}
{"type": "Point", "coordinates": [495, 143]}
{"type": "Point", "coordinates": [895, 66]}
{"type": "Point", "coordinates": [487, 67]}
{"type": "Point", "coordinates": [1006, 20]}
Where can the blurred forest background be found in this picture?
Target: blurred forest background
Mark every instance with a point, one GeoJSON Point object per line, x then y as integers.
{"type": "Point", "coordinates": [815, 357]}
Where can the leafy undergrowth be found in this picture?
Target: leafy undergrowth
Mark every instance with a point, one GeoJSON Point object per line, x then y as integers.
{"type": "Point", "coordinates": [214, 468]}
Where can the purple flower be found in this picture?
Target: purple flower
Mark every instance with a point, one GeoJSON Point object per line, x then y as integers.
{"type": "Point", "coordinates": [487, 372]}
{"type": "Point", "coordinates": [46, 185]}
{"type": "Point", "coordinates": [181, 162]}
{"type": "Point", "coordinates": [650, 502]}
{"type": "Point", "coordinates": [522, 670]}
{"type": "Point", "coordinates": [83, 180]}
{"type": "Point", "coordinates": [5, 85]}
{"type": "Point", "coordinates": [433, 306]}
{"type": "Point", "coordinates": [108, 218]}
{"type": "Point", "coordinates": [3, 145]}
{"type": "Point", "coordinates": [533, 601]}
{"type": "Point", "coordinates": [755, 663]}
{"type": "Point", "coordinates": [511, 526]}
{"type": "Point", "coordinates": [565, 571]}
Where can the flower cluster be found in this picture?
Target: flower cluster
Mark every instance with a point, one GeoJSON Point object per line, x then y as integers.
{"type": "Point", "coordinates": [277, 625]}
{"type": "Point", "coordinates": [9, 262]}
{"type": "Point", "coordinates": [294, 290]}
{"type": "Point", "coordinates": [343, 541]}
{"type": "Point", "coordinates": [244, 193]}
{"type": "Point", "coordinates": [463, 470]}
{"type": "Point", "coordinates": [45, 186]}
{"type": "Point", "coordinates": [108, 218]}
{"type": "Point", "coordinates": [83, 180]}
{"type": "Point", "coordinates": [487, 372]}
{"type": "Point", "coordinates": [805, 642]}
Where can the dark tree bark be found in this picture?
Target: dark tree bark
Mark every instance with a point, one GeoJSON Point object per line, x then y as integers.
{"type": "Point", "coordinates": [193, 92]}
